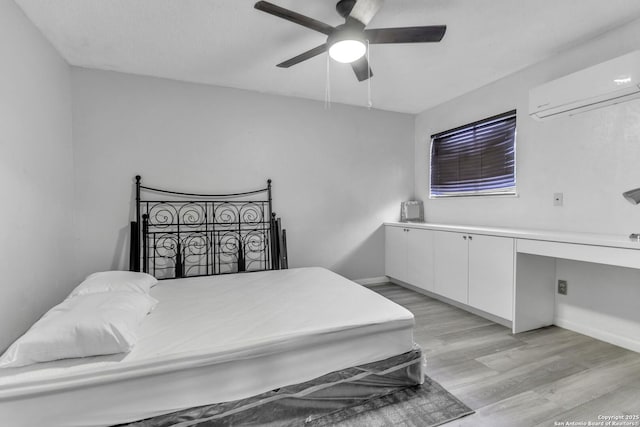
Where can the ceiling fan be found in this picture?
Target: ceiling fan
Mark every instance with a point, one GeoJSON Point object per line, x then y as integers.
{"type": "Point", "coordinates": [347, 43]}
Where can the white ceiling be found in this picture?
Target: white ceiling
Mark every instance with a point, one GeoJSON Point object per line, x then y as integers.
{"type": "Point", "coordinates": [229, 43]}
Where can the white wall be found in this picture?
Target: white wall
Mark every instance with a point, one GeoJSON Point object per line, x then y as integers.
{"type": "Point", "coordinates": [602, 302]}
{"type": "Point", "coordinates": [337, 173]}
{"type": "Point", "coordinates": [592, 158]}
{"type": "Point", "coordinates": [36, 178]}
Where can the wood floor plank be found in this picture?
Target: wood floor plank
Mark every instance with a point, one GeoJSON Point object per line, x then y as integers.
{"type": "Point", "coordinates": [590, 384]}
{"type": "Point", "coordinates": [459, 374]}
{"type": "Point", "coordinates": [510, 359]}
{"type": "Point", "coordinates": [471, 344]}
{"type": "Point", "coordinates": [596, 353]}
{"type": "Point", "coordinates": [527, 408]}
{"type": "Point", "coordinates": [515, 381]}
{"type": "Point", "coordinates": [624, 401]}
{"type": "Point", "coordinates": [534, 378]}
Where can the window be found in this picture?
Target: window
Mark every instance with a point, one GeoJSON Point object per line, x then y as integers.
{"type": "Point", "coordinates": [475, 159]}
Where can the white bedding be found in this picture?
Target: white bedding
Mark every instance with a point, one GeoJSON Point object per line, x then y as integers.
{"type": "Point", "coordinates": [215, 339]}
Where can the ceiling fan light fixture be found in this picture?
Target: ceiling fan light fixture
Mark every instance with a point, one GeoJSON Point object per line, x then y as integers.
{"type": "Point", "coordinates": [347, 51]}
{"type": "Point", "coordinates": [346, 44]}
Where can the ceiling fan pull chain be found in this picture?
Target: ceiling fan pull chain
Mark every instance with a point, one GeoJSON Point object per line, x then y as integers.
{"type": "Point", "coordinates": [369, 102]}
{"type": "Point", "coordinates": [327, 87]}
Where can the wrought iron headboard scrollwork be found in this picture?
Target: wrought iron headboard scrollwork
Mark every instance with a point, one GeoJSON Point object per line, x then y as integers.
{"type": "Point", "coordinates": [179, 234]}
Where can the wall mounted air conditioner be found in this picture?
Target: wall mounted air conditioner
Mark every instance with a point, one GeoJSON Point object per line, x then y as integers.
{"type": "Point", "coordinates": [611, 82]}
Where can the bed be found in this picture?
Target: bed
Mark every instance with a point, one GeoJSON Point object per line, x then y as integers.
{"type": "Point", "coordinates": [236, 340]}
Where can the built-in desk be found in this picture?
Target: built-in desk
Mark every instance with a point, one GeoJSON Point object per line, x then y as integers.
{"type": "Point", "coordinates": [532, 288]}
{"type": "Point", "coordinates": [600, 254]}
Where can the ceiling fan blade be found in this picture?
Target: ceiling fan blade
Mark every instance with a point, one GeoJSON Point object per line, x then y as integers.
{"type": "Point", "coordinates": [304, 56]}
{"type": "Point", "coordinates": [433, 33]}
{"type": "Point", "coordinates": [365, 10]}
{"type": "Point", "coordinates": [295, 17]}
{"type": "Point", "coordinates": [361, 68]}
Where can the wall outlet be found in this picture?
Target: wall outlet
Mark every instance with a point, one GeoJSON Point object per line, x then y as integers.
{"type": "Point", "coordinates": [558, 199]}
{"type": "Point", "coordinates": [562, 287]}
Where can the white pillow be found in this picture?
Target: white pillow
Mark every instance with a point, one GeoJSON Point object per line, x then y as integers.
{"type": "Point", "coordinates": [108, 281]}
{"type": "Point", "coordinates": [87, 325]}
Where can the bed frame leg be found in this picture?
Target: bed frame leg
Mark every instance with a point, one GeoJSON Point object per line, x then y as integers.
{"type": "Point", "coordinates": [134, 248]}
{"type": "Point", "coordinates": [241, 261]}
{"type": "Point", "coordinates": [179, 265]}
{"type": "Point", "coordinates": [284, 261]}
{"type": "Point", "coordinates": [145, 232]}
{"type": "Point", "coordinates": [275, 260]}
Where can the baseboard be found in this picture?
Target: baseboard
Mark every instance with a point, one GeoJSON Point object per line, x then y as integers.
{"type": "Point", "coordinates": [599, 334]}
{"type": "Point", "coordinates": [370, 281]}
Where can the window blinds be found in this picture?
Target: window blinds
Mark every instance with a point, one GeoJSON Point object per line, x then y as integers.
{"type": "Point", "coordinates": [475, 159]}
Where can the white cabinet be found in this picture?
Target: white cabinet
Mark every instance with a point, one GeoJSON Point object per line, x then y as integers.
{"type": "Point", "coordinates": [473, 269]}
{"type": "Point", "coordinates": [476, 270]}
{"type": "Point", "coordinates": [491, 274]}
{"type": "Point", "coordinates": [451, 259]}
{"type": "Point", "coordinates": [409, 256]}
{"type": "Point", "coordinates": [395, 255]}
{"type": "Point", "coordinates": [420, 258]}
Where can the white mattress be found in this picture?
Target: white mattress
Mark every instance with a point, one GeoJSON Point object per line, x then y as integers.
{"type": "Point", "coordinates": [215, 339]}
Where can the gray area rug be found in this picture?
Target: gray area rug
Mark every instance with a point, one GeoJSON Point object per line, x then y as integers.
{"type": "Point", "coordinates": [428, 405]}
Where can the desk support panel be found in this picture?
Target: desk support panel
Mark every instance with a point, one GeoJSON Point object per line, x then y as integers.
{"type": "Point", "coordinates": [534, 297]}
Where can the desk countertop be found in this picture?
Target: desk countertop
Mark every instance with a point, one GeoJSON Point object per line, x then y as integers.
{"type": "Point", "coordinates": [611, 240]}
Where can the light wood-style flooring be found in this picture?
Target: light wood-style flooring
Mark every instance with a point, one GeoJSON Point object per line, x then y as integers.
{"type": "Point", "coordinates": [547, 377]}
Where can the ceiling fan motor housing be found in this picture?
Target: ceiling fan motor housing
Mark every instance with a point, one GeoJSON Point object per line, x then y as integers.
{"type": "Point", "coordinates": [352, 30]}
{"type": "Point", "coordinates": [344, 7]}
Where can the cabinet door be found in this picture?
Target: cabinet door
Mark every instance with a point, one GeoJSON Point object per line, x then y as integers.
{"type": "Point", "coordinates": [491, 275]}
{"type": "Point", "coordinates": [420, 258]}
{"type": "Point", "coordinates": [451, 257]}
{"type": "Point", "coordinates": [395, 252]}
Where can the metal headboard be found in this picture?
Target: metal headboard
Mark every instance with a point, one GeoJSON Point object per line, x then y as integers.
{"type": "Point", "coordinates": [179, 234]}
